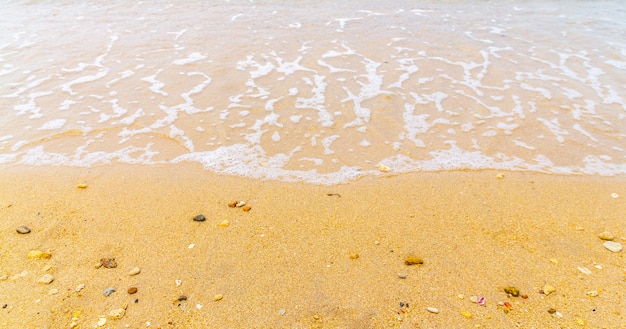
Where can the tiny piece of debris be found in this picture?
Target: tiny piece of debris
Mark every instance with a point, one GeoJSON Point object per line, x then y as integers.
{"type": "Point", "coordinates": [413, 260]}
{"type": "Point", "coordinates": [512, 291]}
{"type": "Point", "coordinates": [108, 262]}
{"type": "Point", "coordinates": [334, 194]}
{"type": "Point", "coordinates": [82, 185]}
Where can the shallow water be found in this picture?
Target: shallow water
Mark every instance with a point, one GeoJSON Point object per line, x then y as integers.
{"type": "Point", "coordinates": [318, 92]}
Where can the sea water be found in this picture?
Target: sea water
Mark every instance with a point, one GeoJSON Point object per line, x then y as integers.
{"type": "Point", "coordinates": [315, 91]}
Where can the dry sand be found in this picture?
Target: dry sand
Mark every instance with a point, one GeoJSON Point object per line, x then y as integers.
{"type": "Point", "coordinates": [287, 263]}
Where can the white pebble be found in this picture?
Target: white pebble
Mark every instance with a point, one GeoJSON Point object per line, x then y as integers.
{"type": "Point", "coordinates": [198, 306]}
{"type": "Point", "coordinates": [79, 287]}
{"type": "Point", "coordinates": [102, 321]}
{"type": "Point", "coordinates": [191, 246]}
{"type": "Point", "coordinates": [46, 279]}
{"type": "Point", "coordinates": [179, 282]}
{"type": "Point", "coordinates": [432, 310]}
{"type": "Point", "coordinates": [613, 246]}
{"type": "Point", "coordinates": [134, 271]}
{"type": "Point", "coordinates": [614, 195]}
{"type": "Point", "coordinates": [473, 299]}
{"type": "Point", "coordinates": [584, 270]}
{"type": "Point", "coordinates": [53, 291]}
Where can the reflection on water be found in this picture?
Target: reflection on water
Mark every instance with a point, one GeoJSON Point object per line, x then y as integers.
{"type": "Point", "coordinates": [316, 92]}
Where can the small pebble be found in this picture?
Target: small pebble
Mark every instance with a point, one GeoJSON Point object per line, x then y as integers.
{"type": "Point", "coordinates": [402, 275]}
{"type": "Point", "coordinates": [132, 290]}
{"type": "Point", "coordinates": [592, 293]}
{"type": "Point", "coordinates": [79, 287]}
{"type": "Point", "coordinates": [607, 236]}
{"type": "Point", "coordinates": [613, 246]}
{"type": "Point", "coordinates": [38, 254]}
{"type": "Point", "coordinates": [432, 310]}
{"type": "Point", "coordinates": [474, 299]}
{"type": "Point", "coordinates": [551, 311]}
{"type": "Point", "coordinates": [246, 208]}
{"type": "Point", "coordinates": [199, 306]}
{"type": "Point", "coordinates": [82, 185]}
{"type": "Point", "coordinates": [117, 313]}
{"type": "Point", "coordinates": [548, 289]}
{"type": "Point", "coordinates": [354, 256]}
{"type": "Point", "coordinates": [218, 297]}
{"type": "Point", "coordinates": [46, 279]}
{"type": "Point", "coordinates": [233, 204]}
{"type": "Point", "coordinates": [382, 168]}
{"type": "Point", "coordinates": [134, 271]}
{"type": "Point", "coordinates": [102, 321]}
{"type": "Point", "coordinates": [584, 270]}
{"type": "Point", "coordinates": [23, 230]}
{"type": "Point", "coordinates": [224, 223]}
{"type": "Point", "coordinates": [181, 298]}
{"type": "Point", "coordinates": [199, 218]}
{"type": "Point", "coordinates": [614, 195]}
{"type": "Point", "coordinates": [412, 260]}
{"type": "Point", "coordinates": [466, 314]}
{"type": "Point", "coordinates": [282, 312]}
{"type": "Point", "coordinates": [108, 291]}
{"type": "Point", "coordinates": [512, 291]}
{"type": "Point", "coordinates": [53, 291]}
{"type": "Point", "coordinates": [179, 282]}
{"type": "Point", "coordinates": [240, 204]}
{"type": "Point", "coordinates": [108, 262]}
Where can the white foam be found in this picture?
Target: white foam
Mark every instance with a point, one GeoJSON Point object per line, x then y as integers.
{"type": "Point", "coordinates": [53, 124]}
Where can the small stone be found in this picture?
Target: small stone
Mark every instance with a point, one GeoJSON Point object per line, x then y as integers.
{"type": "Point", "coordinates": [181, 298]}
{"type": "Point", "coordinates": [233, 203]}
{"type": "Point", "coordinates": [512, 291]}
{"type": "Point", "coordinates": [79, 287]}
{"type": "Point", "coordinates": [474, 299]}
{"type": "Point", "coordinates": [53, 291]}
{"type": "Point", "coordinates": [413, 260]}
{"type": "Point", "coordinates": [108, 262]}
{"type": "Point", "coordinates": [593, 293]}
{"type": "Point", "coordinates": [282, 312]}
{"type": "Point", "coordinates": [224, 223]}
{"type": "Point", "coordinates": [108, 291]}
{"type": "Point", "coordinates": [132, 290]}
{"type": "Point", "coordinates": [382, 168]}
{"type": "Point", "coordinates": [614, 195]}
{"type": "Point", "coordinates": [551, 311]}
{"type": "Point", "coordinates": [240, 204]}
{"type": "Point", "coordinates": [606, 235]}
{"type": "Point", "coordinates": [500, 176]}
{"type": "Point", "coordinates": [136, 270]}
{"type": "Point", "coordinates": [199, 218]}
{"type": "Point", "coordinates": [402, 275]}
{"type": "Point", "coordinates": [23, 230]}
{"type": "Point", "coordinates": [246, 208]}
{"type": "Point", "coordinates": [548, 289]}
{"type": "Point", "coordinates": [82, 185]}
{"type": "Point", "coordinates": [38, 254]}
{"type": "Point", "coordinates": [199, 306]}
{"type": "Point", "coordinates": [613, 246]}
{"type": "Point", "coordinates": [117, 313]}
{"type": "Point", "coordinates": [46, 279]}
{"type": "Point", "coordinates": [460, 296]}
{"type": "Point", "coordinates": [432, 310]}
{"type": "Point", "coordinates": [179, 282]}
{"type": "Point", "coordinates": [102, 321]}
{"type": "Point", "coordinates": [584, 270]}
{"type": "Point", "coordinates": [354, 255]}
{"type": "Point", "coordinates": [524, 296]}
{"type": "Point", "coordinates": [218, 297]}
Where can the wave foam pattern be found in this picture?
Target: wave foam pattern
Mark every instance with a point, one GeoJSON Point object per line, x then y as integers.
{"type": "Point", "coordinates": [316, 92]}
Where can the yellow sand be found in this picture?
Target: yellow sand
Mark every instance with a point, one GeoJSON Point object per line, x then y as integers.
{"type": "Point", "coordinates": [291, 262]}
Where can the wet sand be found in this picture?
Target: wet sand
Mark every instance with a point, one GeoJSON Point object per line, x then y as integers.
{"type": "Point", "coordinates": [301, 258]}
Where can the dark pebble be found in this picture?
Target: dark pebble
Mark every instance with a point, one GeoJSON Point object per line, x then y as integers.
{"type": "Point", "coordinates": [132, 290]}
{"type": "Point", "coordinates": [23, 230]}
{"type": "Point", "coordinates": [199, 218]}
{"type": "Point", "coordinates": [182, 298]}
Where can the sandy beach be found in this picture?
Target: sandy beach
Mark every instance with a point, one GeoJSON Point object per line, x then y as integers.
{"type": "Point", "coordinates": [310, 256]}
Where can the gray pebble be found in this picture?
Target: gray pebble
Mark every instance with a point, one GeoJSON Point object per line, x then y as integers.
{"type": "Point", "coordinates": [199, 218]}
{"type": "Point", "coordinates": [108, 291]}
{"type": "Point", "coordinates": [23, 230]}
{"type": "Point", "coordinates": [402, 275]}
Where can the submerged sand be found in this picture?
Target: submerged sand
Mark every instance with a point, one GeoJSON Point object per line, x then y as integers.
{"type": "Point", "coordinates": [301, 258]}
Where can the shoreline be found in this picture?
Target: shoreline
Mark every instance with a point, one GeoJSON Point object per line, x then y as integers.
{"type": "Point", "coordinates": [303, 258]}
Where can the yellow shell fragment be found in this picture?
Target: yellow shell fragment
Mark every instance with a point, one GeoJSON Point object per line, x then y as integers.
{"type": "Point", "coordinates": [381, 167]}
{"type": "Point", "coordinates": [38, 254]}
{"type": "Point", "coordinates": [82, 185]}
